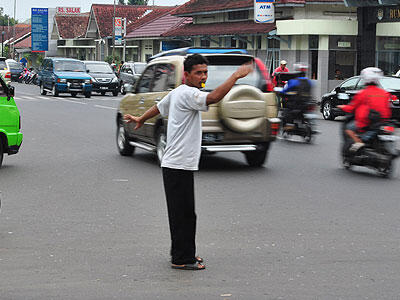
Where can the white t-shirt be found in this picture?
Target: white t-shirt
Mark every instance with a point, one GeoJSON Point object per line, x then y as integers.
{"type": "Point", "coordinates": [183, 107]}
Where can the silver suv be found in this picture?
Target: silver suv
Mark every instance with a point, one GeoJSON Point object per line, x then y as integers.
{"type": "Point", "coordinates": [244, 120]}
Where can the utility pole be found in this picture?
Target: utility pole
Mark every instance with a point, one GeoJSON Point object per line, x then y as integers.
{"type": "Point", "coordinates": [113, 35]}
{"type": "Point", "coordinates": [15, 20]}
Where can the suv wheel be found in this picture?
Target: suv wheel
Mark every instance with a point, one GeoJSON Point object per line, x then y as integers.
{"type": "Point", "coordinates": [73, 94]}
{"type": "Point", "coordinates": [123, 92]}
{"type": "Point", "coordinates": [257, 158]}
{"type": "Point", "coordinates": [124, 148]}
{"type": "Point", "coordinates": [102, 93]}
{"type": "Point", "coordinates": [161, 144]}
{"type": "Point", "coordinates": [327, 110]}
{"type": "Point", "coordinates": [42, 91]}
{"type": "Point", "coordinates": [88, 95]}
{"type": "Point", "coordinates": [55, 92]}
{"type": "Point", "coordinates": [115, 93]}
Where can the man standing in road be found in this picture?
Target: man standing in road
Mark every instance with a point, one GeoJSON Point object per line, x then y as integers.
{"type": "Point", "coordinates": [183, 107]}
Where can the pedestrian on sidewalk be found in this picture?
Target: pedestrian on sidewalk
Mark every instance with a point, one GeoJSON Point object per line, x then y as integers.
{"type": "Point", "coordinates": [183, 106]}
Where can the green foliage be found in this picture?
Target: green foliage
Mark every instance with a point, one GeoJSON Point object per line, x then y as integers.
{"type": "Point", "coordinates": [6, 51]}
{"type": "Point", "coordinates": [110, 59]}
{"type": "Point", "coordinates": [39, 59]}
{"type": "Point", "coordinates": [4, 19]}
{"type": "Point", "coordinates": [121, 2]}
{"type": "Point", "coordinates": [137, 2]}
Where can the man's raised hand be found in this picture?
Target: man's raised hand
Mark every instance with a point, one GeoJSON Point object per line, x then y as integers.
{"type": "Point", "coordinates": [244, 70]}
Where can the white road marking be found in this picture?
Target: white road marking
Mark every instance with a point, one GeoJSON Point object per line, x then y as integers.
{"type": "Point", "coordinates": [71, 101]}
{"type": "Point", "coordinates": [106, 107]}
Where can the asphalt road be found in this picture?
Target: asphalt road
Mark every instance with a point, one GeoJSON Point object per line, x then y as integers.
{"type": "Point", "coordinates": [79, 221]}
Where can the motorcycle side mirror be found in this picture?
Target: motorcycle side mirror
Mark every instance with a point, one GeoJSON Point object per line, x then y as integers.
{"type": "Point", "coordinates": [278, 89]}
{"type": "Point", "coordinates": [87, 71]}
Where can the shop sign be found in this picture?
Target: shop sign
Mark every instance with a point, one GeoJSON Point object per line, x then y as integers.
{"type": "Point", "coordinates": [118, 31]}
{"type": "Point", "coordinates": [387, 14]}
{"type": "Point", "coordinates": [68, 10]}
{"type": "Point", "coordinates": [344, 44]}
{"type": "Point", "coordinates": [264, 11]}
{"type": "Point", "coordinates": [40, 29]}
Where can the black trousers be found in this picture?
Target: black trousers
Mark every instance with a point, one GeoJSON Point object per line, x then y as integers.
{"type": "Point", "coordinates": [179, 192]}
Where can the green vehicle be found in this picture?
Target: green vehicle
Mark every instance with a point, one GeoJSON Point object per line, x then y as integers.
{"type": "Point", "coordinates": [10, 122]}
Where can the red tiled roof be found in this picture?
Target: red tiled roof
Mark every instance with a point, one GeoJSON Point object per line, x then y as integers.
{"type": "Point", "coordinates": [104, 15]}
{"type": "Point", "coordinates": [25, 43]}
{"type": "Point", "coordinates": [20, 31]}
{"type": "Point", "coordinates": [194, 6]}
{"type": "Point", "coordinates": [229, 28]}
{"type": "Point", "coordinates": [155, 14]}
{"type": "Point", "coordinates": [72, 26]}
{"type": "Point", "coordinates": [158, 26]}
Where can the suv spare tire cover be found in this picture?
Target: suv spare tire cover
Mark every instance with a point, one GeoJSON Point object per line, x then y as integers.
{"type": "Point", "coordinates": [243, 108]}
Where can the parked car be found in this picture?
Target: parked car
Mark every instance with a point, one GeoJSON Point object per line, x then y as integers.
{"type": "Point", "coordinates": [103, 77]}
{"type": "Point", "coordinates": [129, 73]}
{"type": "Point", "coordinates": [4, 70]}
{"type": "Point", "coordinates": [343, 93]}
{"type": "Point", "coordinates": [16, 69]}
{"type": "Point", "coordinates": [245, 120]}
{"type": "Point", "coordinates": [10, 122]}
{"type": "Point", "coordinates": [64, 75]}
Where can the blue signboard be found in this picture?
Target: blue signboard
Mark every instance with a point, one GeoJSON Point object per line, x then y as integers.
{"type": "Point", "coordinates": [40, 29]}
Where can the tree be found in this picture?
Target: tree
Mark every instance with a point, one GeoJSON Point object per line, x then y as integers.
{"type": "Point", "coordinates": [137, 2]}
{"type": "Point", "coordinates": [121, 2]}
{"type": "Point", "coordinates": [4, 19]}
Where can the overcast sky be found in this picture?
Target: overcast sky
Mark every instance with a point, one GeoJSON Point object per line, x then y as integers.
{"type": "Point", "coordinates": [24, 6]}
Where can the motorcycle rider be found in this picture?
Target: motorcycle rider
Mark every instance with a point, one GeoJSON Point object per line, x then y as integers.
{"type": "Point", "coordinates": [371, 100]}
{"type": "Point", "coordinates": [281, 69]}
{"type": "Point", "coordinates": [298, 94]}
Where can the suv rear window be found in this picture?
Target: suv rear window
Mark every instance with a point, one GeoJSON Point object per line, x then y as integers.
{"type": "Point", "coordinates": [3, 65]}
{"type": "Point", "coordinates": [69, 66]}
{"type": "Point", "coordinates": [220, 68]}
{"type": "Point", "coordinates": [99, 68]}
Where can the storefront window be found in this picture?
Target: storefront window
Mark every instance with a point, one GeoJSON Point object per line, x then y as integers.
{"type": "Point", "coordinates": [342, 57]}
{"type": "Point", "coordinates": [388, 54]}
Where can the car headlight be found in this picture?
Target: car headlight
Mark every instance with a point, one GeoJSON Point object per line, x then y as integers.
{"type": "Point", "coordinates": [88, 81]}
{"type": "Point", "coordinates": [115, 79]}
{"type": "Point", "coordinates": [61, 80]}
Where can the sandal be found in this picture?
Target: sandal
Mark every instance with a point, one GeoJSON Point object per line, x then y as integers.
{"type": "Point", "coordinates": [198, 259]}
{"type": "Point", "coordinates": [194, 267]}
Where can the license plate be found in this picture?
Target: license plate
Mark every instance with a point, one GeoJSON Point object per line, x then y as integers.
{"type": "Point", "coordinates": [103, 87]}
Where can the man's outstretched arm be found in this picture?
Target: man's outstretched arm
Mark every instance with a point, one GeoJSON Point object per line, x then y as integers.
{"type": "Point", "coordinates": [150, 113]}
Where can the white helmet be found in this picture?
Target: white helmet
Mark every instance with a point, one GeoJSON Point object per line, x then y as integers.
{"type": "Point", "coordinates": [283, 62]}
{"type": "Point", "coordinates": [300, 67]}
{"type": "Point", "coordinates": [371, 75]}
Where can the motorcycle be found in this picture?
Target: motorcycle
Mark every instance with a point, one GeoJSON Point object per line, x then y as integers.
{"type": "Point", "coordinates": [298, 120]}
{"type": "Point", "coordinates": [379, 151]}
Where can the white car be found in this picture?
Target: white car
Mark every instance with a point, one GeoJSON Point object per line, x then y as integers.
{"type": "Point", "coordinates": [4, 70]}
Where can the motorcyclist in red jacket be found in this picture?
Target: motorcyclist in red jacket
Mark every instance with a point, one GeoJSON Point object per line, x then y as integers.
{"type": "Point", "coordinates": [371, 99]}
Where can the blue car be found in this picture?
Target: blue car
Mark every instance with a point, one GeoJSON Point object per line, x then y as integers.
{"type": "Point", "coordinates": [64, 75]}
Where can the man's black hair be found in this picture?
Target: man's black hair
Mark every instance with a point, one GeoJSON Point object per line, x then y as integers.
{"type": "Point", "coordinates": [194, 59]}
